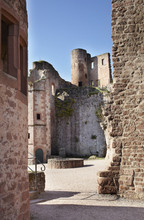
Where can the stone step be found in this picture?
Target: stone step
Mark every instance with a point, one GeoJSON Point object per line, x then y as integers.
{"type": "Point", "coordinates": [33, 195]}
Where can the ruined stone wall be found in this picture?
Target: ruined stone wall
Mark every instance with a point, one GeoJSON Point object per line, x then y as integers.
{"type": "Point", "coordinates": [125, 110]}
{"type": "Point", "coordinates": [90, 71]}
{"type": "Point", "coordinates": [104, 70]}
{"type": "Point", "coordinates": [43, 82]}
{"type": "Point", "coordinates": [14, 184]}
{"type": "Point", "coordinates": [78, 112]}
{"type": "Point", "coordinates": [80, 132]}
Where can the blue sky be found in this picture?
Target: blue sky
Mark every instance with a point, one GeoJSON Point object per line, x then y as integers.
{"type": "Point", "coordinates": [56, 27]}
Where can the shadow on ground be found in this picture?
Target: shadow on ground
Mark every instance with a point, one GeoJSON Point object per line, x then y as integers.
{"type": "Point", "coordinates": [83, 212]}
{"type": "Point", "coordinates": [51, 195]}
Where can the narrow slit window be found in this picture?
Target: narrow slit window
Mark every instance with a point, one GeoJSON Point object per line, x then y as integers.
{"type": "Point", "coordinates": [53, 90]}
{"type": "Point", "coordinates": [92, 65]}
{"type": "Point", "coordinates": [28, 135]}
{"type": "Point", "coordinates": [23, 66]}
{"type": "Point", "coordinates": [38, 117]}
{"type": "Point", "coordinates": [103, 62]}
{"type": "Point", "coordinates": [4, 43]}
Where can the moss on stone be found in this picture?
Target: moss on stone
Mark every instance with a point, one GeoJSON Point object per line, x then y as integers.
{"type": "Point", "coordinates": [99, 113]}
{"type": "Point", "coordinates": [93, 93]}
{"type": "Point", "coordinates": [98, 90]}
{"type": "Point", "coordinates": [94, 157]}
{"type": "Point", "coordinates": [93, 137]}
{"type": "Point", "coordinates": [64, 108]}
{"type": "Point", "coordinates": [30, 84]}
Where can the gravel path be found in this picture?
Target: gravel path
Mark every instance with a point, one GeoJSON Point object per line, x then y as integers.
{"type": "Point", "coordinates": [70, 194]}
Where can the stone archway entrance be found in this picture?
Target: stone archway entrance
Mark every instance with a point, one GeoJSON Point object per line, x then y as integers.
{"type": "Point", "coordinates": [39, 155]}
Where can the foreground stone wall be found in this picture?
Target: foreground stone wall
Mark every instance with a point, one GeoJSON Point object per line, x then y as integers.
{"type": "Point", "coordinates": [126, 108]}
{"type": "Point", "coordinates": [14, 184]}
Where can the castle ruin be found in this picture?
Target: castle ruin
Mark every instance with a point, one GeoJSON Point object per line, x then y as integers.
{"type": "Point", "coordinates": [63, 115]}
{"type": "Point", "coordinates": [124, 113]}
{"type": "Point", "coordinates": [90, 71]}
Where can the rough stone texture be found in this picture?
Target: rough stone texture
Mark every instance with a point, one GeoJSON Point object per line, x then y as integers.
{"type": "Point", "coordinates": [14, 197]}
{"type": "Point", "coordinates": [19, 7]}
{"type": "Point", "coordinates": [125, 110]}
{"type": "Point", "coordinates": [80, 132]}
{"type": "Point", "coordinates": [90, 71]}
{"type": "Point", "coordinates": [40, 182]}
{"type": "Point", "coordinates": [68, 117]}
{"type": "Point", "coordinates": [41, 101]}
{"type": "Point", "coordinates": [14, 184]}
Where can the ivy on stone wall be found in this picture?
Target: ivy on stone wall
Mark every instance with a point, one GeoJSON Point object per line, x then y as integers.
{"type": "Point", "coordinates": [93, 137]}
{"type": "Point", "coordinates": [97, 90]}
{"type": "Point", "coordinates": [30, 84]}
{"type": "Point", "coordinates": [64, 108]}
{"type": "Point", "coordinates": [99, 113]}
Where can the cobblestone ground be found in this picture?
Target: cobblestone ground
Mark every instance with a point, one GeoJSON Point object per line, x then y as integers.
{"type": "Point", "coordinates": [70, 194]}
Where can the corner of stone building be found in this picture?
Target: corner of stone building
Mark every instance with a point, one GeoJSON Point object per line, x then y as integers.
{"type": "Point", "coordinates": [14, 184]}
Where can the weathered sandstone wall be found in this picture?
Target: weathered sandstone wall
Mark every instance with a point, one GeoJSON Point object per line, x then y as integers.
{"type": "Point", "coordinates": [125, 174]}
{"type": "Point", "coordinates": [78, 122]}
{"type": "Point", "coordinates": [14, 184]}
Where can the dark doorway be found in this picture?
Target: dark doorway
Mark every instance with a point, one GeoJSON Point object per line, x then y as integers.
{"type": "Point", "coordinates": [39, 155]}
{"type": "Point", "coordinates": [80, 84]}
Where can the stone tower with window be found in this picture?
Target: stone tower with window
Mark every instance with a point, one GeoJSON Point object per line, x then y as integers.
{"type": "Point", "coordinates": [90, 71]}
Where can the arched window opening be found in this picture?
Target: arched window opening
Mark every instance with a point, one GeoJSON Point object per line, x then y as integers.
{"type": "Point", "coordinates": [39, 155]}
{"type": "Point", "coordinates": [23, 66]}
{"type": "Point", "coordinates": [53, 89]}
{"type": "Point", "coordinates": [9, 43]}
{"type": "Point", "coordinates": [92, 65]}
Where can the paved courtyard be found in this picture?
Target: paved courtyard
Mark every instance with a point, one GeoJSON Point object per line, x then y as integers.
{"type": "Point", "coordinates": [70, 194]}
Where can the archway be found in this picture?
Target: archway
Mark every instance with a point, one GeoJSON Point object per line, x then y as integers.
{"type": "Point", "coordinates": [39, 155]}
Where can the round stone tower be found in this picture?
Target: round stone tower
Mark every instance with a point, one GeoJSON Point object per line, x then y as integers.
{"type": "Point", "coordinates": [79, 71]}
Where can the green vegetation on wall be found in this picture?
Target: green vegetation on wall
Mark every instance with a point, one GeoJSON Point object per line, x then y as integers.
{"type": "Point", "coordinates": [99, 113]}
{"type": "Point", "coordinates": [64, 108]}
{"type": "Point", "coordinates": [93, 137]}
{"type": "Point", "coordinates": [98, 90]}
{"type": "Point", "coordinates": [30, 84]}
